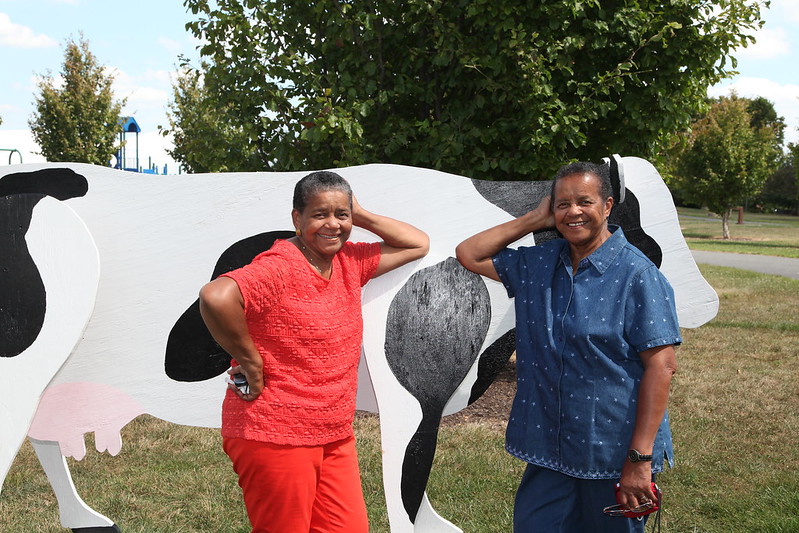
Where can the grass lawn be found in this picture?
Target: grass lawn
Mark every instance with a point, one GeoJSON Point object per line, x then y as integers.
{"type": "Point", "coordinates": [734, 410]}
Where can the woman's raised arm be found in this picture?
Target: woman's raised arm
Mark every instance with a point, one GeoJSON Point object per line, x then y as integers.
{"type": "Point", "coordinates": [475, 253]}
{"type": "Point", "coordinates": [402, 242]}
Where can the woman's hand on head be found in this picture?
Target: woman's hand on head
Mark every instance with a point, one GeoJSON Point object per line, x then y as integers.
{"type": "Point", "coordinates": [357, 212]}
{"type": "Point", "coordinates": [544, 212]}
{"type": "Point", "coordinates": [402, 242]}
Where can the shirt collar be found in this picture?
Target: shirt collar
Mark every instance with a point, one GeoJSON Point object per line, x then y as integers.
{"type": "Point", "coordinates": [602, 257]}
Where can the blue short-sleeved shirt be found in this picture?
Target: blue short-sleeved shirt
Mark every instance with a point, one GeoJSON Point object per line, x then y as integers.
{"type": "Point", "coordinates": [577, 353]}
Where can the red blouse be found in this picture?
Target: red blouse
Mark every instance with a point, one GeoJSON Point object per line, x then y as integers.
{"type": "Point", "coordinates": [309, 331]}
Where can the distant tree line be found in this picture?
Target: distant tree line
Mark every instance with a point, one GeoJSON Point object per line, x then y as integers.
{"type": "Point", "coordinates": [492, 89]}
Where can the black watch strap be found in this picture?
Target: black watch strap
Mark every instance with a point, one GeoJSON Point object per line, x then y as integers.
{"type": "Point", "coordinates": [637, 457]}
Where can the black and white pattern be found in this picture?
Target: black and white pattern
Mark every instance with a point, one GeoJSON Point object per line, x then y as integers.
{"type": "Point", "coordinates": [117, 259]}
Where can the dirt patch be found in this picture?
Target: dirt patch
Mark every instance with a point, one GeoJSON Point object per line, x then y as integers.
{"type": "Point", "coordinates": [493, 407]}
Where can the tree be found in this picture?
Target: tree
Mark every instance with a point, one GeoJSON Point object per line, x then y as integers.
{"type": "Point", "coordinates": [495, 89]}
{"type": "Point", "coordinates": [78, 121]}
{"type": "Point", "coordinates": [203, 141]}
{"type": "Point", "coordinates": [764, 114]}
{"type": "Point", "coordinates": [728, 159]}
{"type": "Point", "coordinates": [781, 189]}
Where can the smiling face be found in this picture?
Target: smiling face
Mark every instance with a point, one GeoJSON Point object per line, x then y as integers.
{"type": "Point", "coordinates": [581, 213]}
{"type": "Point", "coordinates": [325, 223]}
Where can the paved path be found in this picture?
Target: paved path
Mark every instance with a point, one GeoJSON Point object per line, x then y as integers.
{"type": "Point", "coordinates": [765, 264]}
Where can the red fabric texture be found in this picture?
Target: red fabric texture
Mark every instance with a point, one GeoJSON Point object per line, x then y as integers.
{"type": "Point", "coordinates": [319, 486]}
{"type": "Point", "coordinates": [309, 331]}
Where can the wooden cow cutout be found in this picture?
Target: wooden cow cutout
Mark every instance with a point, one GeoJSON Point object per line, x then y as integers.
{"type": "Point", "coordinates": [98, 292]}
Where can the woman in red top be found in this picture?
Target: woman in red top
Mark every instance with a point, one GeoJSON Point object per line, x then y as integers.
{"type": "Point", "coordinates": [292, 322]}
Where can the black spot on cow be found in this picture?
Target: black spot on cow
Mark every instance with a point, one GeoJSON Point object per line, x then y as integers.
{"type": "Point", "coordinates": [192, 354]}
{"type": "Point", "coordinates": [435, 328]}
{"type": "Point", "coordinates": [23, 301]}
{"type": "Point", "coordinates": [492, 361]}
{"type": "Point", "coordinates": [628, 216]}
{"type": "Point", "coordinates": [517, 198]}
{"type": "Point", "coordinates": [60, 183]}
{"type": "Point", "coordinates": [22, 296]}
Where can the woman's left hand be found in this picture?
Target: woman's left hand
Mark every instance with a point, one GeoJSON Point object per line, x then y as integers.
{"type": "Point", "coordinates": [635, 485]}
{"type": "Point", "coordinates": [402, 243]}
{"type": "Point", "coordinates": [357, 212]}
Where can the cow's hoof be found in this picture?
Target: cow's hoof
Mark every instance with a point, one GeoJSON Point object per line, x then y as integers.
{"type": "Point", "coordinates": [100, 529]}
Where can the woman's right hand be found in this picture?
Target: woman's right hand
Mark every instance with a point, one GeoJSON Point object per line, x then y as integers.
{"type": "Point", "coordinates": [253, 388]}
{"type": "Point", "coordinates": [222, 310]}
{"type": "Point", "coordinates": [476, 252]}
{"type": "Point", "coordinates": [543, 214]}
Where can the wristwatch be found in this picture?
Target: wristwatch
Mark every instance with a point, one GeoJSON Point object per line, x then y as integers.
{"type": "Point", "coordinates": [637, 457]}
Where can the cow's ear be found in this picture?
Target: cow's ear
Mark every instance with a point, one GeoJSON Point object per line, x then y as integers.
{"type": "Point", "coordinates": [616, 167]}
{"type": "Point", "coordinates": [628, 216]}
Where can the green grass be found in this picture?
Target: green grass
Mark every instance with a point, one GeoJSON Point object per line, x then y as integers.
{"type": "Point", "coordinates": [734, 410]}
{"type": "Point", "coordinates": [760, 234]}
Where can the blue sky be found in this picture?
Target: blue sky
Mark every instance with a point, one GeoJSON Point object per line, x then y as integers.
{"type": "Point", "coordinates": [140, 42]}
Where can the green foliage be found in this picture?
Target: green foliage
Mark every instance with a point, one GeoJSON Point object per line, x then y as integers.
{"type": "Point", "coordinates": [763, 115]}
{"type": "Point", "coordinates": [728, 159]}
{"type": "Point", "coordinates": [78, 121]}
{"type": "Point", "coordinates": [494, 89]}
{"type": "Point", "coordinates": [781, 190]}
{"type": "Point", "coordinates": [204, 139]}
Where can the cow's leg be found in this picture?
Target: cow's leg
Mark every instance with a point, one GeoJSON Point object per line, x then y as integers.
{"type": "Point", "coordinates": [73, 511]}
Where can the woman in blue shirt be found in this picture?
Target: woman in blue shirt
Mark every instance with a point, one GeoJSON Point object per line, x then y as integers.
{"type": "Point", "coordinates": [596, 327]}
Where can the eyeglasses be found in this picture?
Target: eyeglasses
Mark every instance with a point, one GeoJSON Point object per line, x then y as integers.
{"type": "Point", "coordinates": [642, 510]}
{"type": "Point", "coordinates": [647, 507]}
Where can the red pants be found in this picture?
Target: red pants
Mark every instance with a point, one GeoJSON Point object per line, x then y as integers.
{"type": "Point", "coordinates": [300, 489]}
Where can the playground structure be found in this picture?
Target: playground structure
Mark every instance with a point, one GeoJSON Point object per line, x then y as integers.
{"type": "Point", "coordinates": [132, 164]}
{"type": "Point", "coordinates": [121, 160]}
{"type": "Point", "coordinates": [11, 152]}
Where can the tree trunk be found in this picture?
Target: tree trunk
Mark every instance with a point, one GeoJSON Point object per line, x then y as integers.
{"type": "Point", "coordinates": [725, 224]}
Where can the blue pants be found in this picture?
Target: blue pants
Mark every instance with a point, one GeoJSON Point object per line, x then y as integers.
{"type": "Point", "coordinates": [550, 502]}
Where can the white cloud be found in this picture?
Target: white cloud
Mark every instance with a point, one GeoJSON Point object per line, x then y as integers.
{"type": "Point", "coordinates": [162, 77]}
{"type": "Point", "coordinates": [770, 43]}
{"type": "Point", "coordinates": [18, 36]}
{"type": "Point", "coordinates": [786, 9]}
{"type": "Point", "coordinates": [147, 96]}
{"type": "Point", "coordinates": [785, 98]}
{"type": "Point", "coordinates": [170, 45]}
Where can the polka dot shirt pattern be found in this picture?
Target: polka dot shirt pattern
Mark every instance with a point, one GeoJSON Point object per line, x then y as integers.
{"type": "Point", "coordinates": [577, 353]}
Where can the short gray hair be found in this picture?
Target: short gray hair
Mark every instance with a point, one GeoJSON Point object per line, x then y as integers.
{"type": "Point", "coordinates": [602, 172]}
{"type": "Point", "coordinates": [316, 182]}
